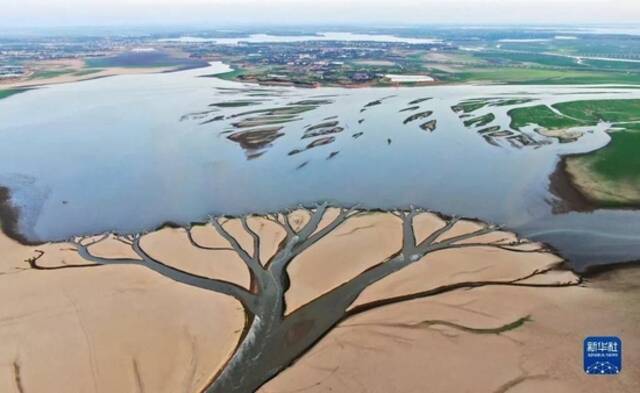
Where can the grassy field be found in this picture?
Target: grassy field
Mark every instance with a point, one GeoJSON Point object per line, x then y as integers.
{"type": "Point", "coordinates": [620, 160]}
{"type": "Point", "coordinates": [9, 92]}
{"type": "Point", "coordinates": [87, 71]}
{"type": "Point", "coordinates": [480, 121]}
{"type": "Point", "coordinates": [50, 74]}
{"type": "Point", "coordinates": [231, 75]}
{"type": "Point", "coordinates": [525, 75]}
{"type": "Point", "coordinates": [611, 175]}
{"type": "Point", "coordinates": [612, 111]}
{"type": "Point", "coordinates": [541, 115]}
{"type": "Point", "coordinates": [532, 58]}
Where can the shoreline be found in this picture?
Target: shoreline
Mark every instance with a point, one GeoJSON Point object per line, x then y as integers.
{"type": "Point", "coordinates": [563, 185]}
{"type": "Point", "coordinates": [9, 220]}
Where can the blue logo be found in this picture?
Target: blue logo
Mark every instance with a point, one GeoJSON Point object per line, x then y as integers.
{"type": "Point", "coordinates": [602, 355]}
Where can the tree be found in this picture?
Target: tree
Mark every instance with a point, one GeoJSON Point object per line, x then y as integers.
{"type": "Point", "coordinates": [272, 338]}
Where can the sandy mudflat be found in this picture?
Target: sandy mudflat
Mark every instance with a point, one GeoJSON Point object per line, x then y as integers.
{"type": "Point", "coordinates": [76, 72]}
{"type": "Point", "coordinates": [127, 329]}
{"type": "Point", "coordinates": [106, 329]}
{"type": "Point", "coordinates": [384, 351]}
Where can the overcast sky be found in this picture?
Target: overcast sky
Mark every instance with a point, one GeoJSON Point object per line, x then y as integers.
{"type": "Point", "coordinates": [26, 13]}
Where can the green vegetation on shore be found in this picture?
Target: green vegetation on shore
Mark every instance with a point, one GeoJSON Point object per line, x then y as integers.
{"type": "Point", "coordinates": [611, 175]}
{"type": "Point", "coordinates": [469, 106]}
{"type": "Point", "coordinates": [541, 115]}
{"type": "Point", "coordinates": [229, 76]}
{"type": "Point", "coordinates": [576, 114]}
{"type": "Point", "coordinates": [50, 74]}
{"type": "Point", "coordinates": [612, 111]}
{"type": "Point", "coordinates": [620, 160]}
{"type": "Point", "coordinates": [480, 121]}
{"type": "Point", "coordinates": [537, 76]}
{"type": "Point", "coordinates": [9, 92]}
{"type": "Point", "coordinates": [87, 71]}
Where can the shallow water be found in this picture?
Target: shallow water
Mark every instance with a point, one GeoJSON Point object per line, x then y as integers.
{"type": "Point", "coordinates": [129, 153]}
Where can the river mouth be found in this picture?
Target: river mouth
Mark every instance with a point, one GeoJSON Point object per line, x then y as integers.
{"type": "Point", "coordinates": [130, 153]}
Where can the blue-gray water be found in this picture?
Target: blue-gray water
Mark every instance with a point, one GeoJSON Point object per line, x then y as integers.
{"type": "Point", "coordinates": [129, 153]}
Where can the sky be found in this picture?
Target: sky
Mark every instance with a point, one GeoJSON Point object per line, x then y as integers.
{"type": "Point", "coordinates": [44, 13]}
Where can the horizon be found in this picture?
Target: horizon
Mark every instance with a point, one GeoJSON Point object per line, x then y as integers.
{"type": "Point", "coordinates": [413, 29]}
{"type": "Point", "coordinates": [27, 14]}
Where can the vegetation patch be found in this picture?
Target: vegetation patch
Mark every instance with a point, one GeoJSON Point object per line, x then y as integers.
{"type": "Point", "coordinates": [538, 76]}
{"type": "Point", "coordinates": [50, 74]}
{"type": "Point", "coordinates": [469, 106]}
{"type": "Point", "coordinates": [543, 116]}
{"type": "Point", "coordinates": [611, 175]}
{"type": "Point", "coordinates": [620, 160]}
{"type": "Point", "coordinates": [480, 121]}
{"type": "Point", "coordinates": [612, 111]}
{"type": "Point", "coordinates": [9, 92]}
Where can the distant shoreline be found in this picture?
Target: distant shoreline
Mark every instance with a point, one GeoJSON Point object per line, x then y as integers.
{"type": "Point", "coordinates": [78, 72]}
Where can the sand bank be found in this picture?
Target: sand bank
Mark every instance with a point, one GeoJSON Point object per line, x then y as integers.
{"type": "Point", "coordinates": [72, 70]}
{"type": "Point", "coordinates": [126, 328]}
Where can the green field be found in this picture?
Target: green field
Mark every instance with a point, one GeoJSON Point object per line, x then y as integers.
{"type": "Point", "coordinates": [480, 121]}
{"type": "Point", "coordinates": [9, 92]}
{"type": "Point", "coordinates": [540, 76]}
{"type": "Point", "coordinates": [50, 74]}
{"type": "Point", "coordinates": [612, 111]}
{"type": "Point", "coordinates": [613, 171]}
{"type": "Point", "coordinates": [470, 106]}
{"type": "Point", "coordinates": [541, 115]}
{"type": "Point", "coordinates": [87, 71]}
{"type": "Point", "coordinates": [231, 75]}
{"type": "Point", "coordinates": [620, 160]}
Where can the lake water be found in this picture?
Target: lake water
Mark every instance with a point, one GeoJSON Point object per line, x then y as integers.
{"type": "Point", "coordinates": [129, 153]}
{"type": "Point", "coordinates": [328, 36]}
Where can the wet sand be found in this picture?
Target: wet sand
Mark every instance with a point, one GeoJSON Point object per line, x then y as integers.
{"type": "Point", "coordinates": [570, 197]}
{"type": "Point", "coordinates": [127, 329]}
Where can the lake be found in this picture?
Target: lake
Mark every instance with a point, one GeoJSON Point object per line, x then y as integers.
{"type": "Point", "coordinates": [129, 153]}
{"type": "Point", "coordinates": [321, 36]}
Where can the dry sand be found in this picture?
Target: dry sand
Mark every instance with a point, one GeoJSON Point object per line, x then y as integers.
{"type": "Point", "coordinates": [126, 329]}
{"type": "Point", "coordinates": [106, 329]}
